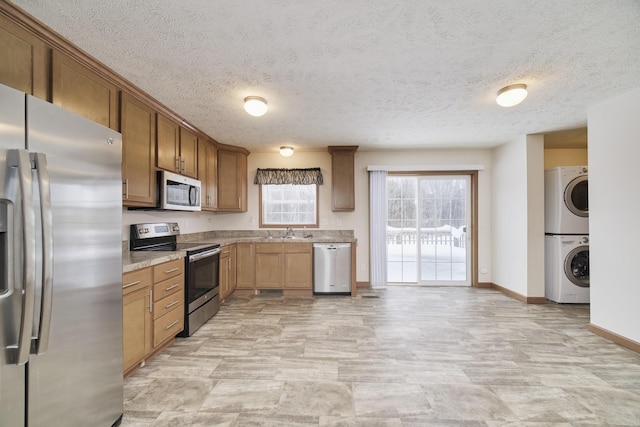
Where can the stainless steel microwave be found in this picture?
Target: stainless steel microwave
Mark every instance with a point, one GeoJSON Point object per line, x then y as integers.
{"type": "Point", "coordinates": [178, 193]}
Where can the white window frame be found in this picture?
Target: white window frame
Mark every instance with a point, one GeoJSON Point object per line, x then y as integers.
{"type": "Point", "coordinates": [264, 200]}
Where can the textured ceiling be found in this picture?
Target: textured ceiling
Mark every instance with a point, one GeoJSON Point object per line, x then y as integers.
{"type": "Point", "coordinates": [381, 74]}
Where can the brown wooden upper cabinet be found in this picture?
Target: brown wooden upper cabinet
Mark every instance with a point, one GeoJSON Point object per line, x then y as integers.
{"type": "Point", "coordinates": [232, 180]}
{"type": "Point", "coordinates": [138, 127]}
{"type": "Point", "coordinates": [25, 64]}
{"type": "Point", "coordinates": [189, 153]}
{"type": "Point", "coordinates": [177, 148]}
{"type": "Point", "coordinates": [208, 174]}
{"type": "Point", "coordinates": [78, 89]}
{"type": "Point", "coordinates": [342, 178]}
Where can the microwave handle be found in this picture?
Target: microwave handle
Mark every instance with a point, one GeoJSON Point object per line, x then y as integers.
{"type": "Point", "coordinates": [193, 192]}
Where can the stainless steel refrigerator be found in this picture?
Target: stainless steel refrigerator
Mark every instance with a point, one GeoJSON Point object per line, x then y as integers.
{"type": "Point", "coordinates": [60, 267]}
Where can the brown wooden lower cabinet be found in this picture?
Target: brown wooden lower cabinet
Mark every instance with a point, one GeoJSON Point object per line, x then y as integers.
{"type": "Point", "coordinates": [283, 266]}
{"type": "Point", "coordinates": [152, 311]}
{"type": "Point", "coordinates": [298, 266]}
{"type": "Point", "coordinates": [137, 325]}
{"type": "Point", "coordinates": [227, 277]}
{"type": "Point", "coordinates": [245, 266]}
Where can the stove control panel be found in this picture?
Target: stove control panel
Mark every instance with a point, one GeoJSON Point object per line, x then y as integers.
{"type": "Point", "coordinates": [161, 229]}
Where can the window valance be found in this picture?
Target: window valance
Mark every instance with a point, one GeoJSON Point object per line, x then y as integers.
{"type": "Point", "coordinates": [289, 176]}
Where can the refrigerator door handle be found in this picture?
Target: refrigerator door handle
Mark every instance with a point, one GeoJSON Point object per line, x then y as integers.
{"type": "Point", "coordinates": [27, 257]}
{"type": "Point", "coordinates": [44, 185]}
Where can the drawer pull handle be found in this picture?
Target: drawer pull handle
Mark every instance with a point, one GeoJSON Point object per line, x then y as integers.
{"type": "Point", "coordinates": [171, 270]}
{"type": "Point", "coordinates": [172, 304]}
{"type": "Point", "coordinates": [172, 287]}
{"type": "Point", "coordinates": [171, 325]}
{"type": "Point", "coordinates": [131, 284]}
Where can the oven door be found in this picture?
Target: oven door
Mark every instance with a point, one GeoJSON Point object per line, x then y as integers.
{"type": "Point", "coordinates": [202, 277]}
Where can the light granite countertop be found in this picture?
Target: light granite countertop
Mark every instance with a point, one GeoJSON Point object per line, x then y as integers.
{"type": "Point", "coordinates": [136, 260]}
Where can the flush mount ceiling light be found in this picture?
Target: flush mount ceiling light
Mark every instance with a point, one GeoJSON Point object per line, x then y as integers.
{"type": "Point", "coordinates": [286, 151]}
{"type": "Point", "coordinates": [255, 105]}
{"type": "Point", "coordinates": [511, 95]}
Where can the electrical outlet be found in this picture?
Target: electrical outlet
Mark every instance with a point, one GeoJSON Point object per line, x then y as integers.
{"type": "Point", "coordinates": [483, 270]}
{"type": "Point", "coordinates": [339, 222]}
{"type": "Point", "coordinates": [363, 267]}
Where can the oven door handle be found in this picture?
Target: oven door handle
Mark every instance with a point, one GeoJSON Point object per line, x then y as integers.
{"type": "Point", "coordinates": [201, 255]}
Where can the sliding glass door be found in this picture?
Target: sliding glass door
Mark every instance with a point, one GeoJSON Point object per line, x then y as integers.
{"type": "Point", "coordinates": [428, 229]}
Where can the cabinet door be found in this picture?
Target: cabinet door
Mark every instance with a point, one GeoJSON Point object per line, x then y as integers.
{"type": "Point", "coordinates": [188, 153]}
{"type": "Point", "coordinates": [298, 265]}
{"type": "Point", "coordinates": [168, 144]}
{"type": "Point", "coordinates": [268, 266]}
{"type": "Point", "coordinates": [232, 269]}
{"type": "Point", "coordinates": [232, 181]}
{"type": "Point", "coordinates": [136, 327]}
{"type": "Point", "coordinates": [342, 178]}
{"type": "Point", "coordinates": [245, 265]}
{"type": "Point", "coordinates": [224, 272]}
{"type": "Point", "coordinates": [78, 89]}
{"type": "Point", "coordinates": [208, 174]}
{"type": "Point", "coordinates": [138, 127]}
{"type": "Point", "coordinates": [27, 70]}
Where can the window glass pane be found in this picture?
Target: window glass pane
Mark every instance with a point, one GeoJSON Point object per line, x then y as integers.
{"type": "Point", "coordinates": [289, 205]}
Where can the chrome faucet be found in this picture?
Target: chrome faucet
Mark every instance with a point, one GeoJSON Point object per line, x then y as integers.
{"type": "Point", "coordinates": [289, 233]}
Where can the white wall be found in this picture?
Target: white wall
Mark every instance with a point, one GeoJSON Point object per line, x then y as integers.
{"type": "Point", "coordinates": [535, 216]}
{"type": "Point", "coordinates": [189, 222]}
{"type": "Point", "coordinates": [250, 220]}
{"type": "Point", "coordinates": [423, 158]}
{"type": "Point", "coordinates": [614, 203]}
{"type": "Point", "coordinates": [358, 220]}
{"type": "Point", "coordinates": [518, 216]}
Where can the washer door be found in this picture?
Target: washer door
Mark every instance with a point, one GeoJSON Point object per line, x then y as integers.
{"type": "Point", "coordinates": [576, 196]}
{"type": "Point", "coordinates": [576, 266]}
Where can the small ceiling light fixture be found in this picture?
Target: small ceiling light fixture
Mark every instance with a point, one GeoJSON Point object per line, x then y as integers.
{"type": "Point", "coordinates": [511, 95]}
{"type": "Point", "coordinates": [255, 105]}
{"type": "Point", "coordinates": [286, 151]}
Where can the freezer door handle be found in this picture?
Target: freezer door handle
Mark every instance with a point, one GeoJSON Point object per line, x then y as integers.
{"type": "Point", "coordinates": [44, 185]}
{"type": "Point", "coordinates": [26, 259]}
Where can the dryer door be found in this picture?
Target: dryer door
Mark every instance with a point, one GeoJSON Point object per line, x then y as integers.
{"type": "Point", "coordinates": [576, 266]}
{"type": "Point", "coordinates": [576, 196]}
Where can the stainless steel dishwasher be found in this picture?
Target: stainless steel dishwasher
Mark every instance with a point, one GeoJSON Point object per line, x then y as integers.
{"type": "Point", "coordinates": [332, 268]}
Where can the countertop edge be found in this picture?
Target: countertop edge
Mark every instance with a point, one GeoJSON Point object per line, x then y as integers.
{"type": "Point", "coordinates": [132, 261]}
{"type": "Point", "coordinates": [136, 260]}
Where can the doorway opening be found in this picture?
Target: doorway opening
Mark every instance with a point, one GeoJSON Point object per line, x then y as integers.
{"type": "Point", "coordinates": [430, 219]}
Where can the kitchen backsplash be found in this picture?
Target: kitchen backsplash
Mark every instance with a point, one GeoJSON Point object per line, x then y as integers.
{"type": "Point", "coordinates": [221, 234]}
{"type": "Point", "coordinates": [190, 237]}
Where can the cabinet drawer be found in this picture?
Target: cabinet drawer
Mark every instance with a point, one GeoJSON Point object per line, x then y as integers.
{"type": "Point", "coordinates": [168, 326]}
{"type": "Point", "coordinates": [268, 248]}
{"type": "Point", "coordinates": [168, 269]}
{"type": "Point", "coordinates": [136, 280]}
{"type": "Point", "coordinates": [168, 287]}
{"type": "Point", "coordinates": [298, 247]}
{"type": "Point", "coordinates": [167, 304]}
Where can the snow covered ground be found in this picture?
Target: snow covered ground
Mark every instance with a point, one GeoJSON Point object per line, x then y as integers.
{"type": "Point", "coordinates": [442, 262]}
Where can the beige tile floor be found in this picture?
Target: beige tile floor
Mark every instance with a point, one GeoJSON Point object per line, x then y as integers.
{"type": "Point", "coordinates": [413, 356]}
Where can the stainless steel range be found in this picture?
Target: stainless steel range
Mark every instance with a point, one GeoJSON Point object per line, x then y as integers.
{"type": "Point", "coordinates": [202, 267]}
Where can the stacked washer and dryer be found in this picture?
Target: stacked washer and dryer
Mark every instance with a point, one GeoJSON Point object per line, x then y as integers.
{"type": "Point", "coordinates": [566, 226]}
